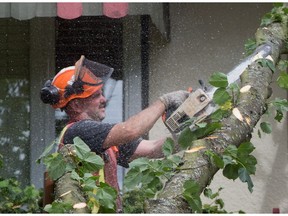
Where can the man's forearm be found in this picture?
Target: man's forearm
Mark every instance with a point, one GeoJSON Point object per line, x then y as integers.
{"type": "Point", "coordinates": [135, 126]}
{"type": "Point", "coordinates": [144, 120]}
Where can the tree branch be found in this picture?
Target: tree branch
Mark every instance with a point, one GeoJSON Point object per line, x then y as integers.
{"type": "Point", "coordinates": [251, 104]}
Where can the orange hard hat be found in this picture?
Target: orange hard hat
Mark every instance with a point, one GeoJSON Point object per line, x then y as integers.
{"type": "Point", "coordinates": [79, 81]}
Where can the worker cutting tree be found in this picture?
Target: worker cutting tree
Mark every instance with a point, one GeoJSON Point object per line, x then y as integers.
{"type": "Point", "coordinates": [77, 90]}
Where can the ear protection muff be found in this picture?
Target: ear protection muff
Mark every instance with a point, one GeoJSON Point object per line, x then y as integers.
{"type": "Point", "coordinates": [49, 93]}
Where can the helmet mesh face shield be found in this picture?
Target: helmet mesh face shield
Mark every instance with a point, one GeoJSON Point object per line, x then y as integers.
{"type": "Point", "coordinates": [91, 73]}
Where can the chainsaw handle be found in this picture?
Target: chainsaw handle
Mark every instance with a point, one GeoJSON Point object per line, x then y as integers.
{"type": "Point", "coordinates": [170, 110]}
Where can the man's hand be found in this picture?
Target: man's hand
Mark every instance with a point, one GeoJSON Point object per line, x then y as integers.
{"type": "Point", "coordinates": [174, 99]}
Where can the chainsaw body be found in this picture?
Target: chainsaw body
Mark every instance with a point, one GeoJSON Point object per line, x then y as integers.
{"type": "Point", "coordinates": [199, 104]}
{"type": "Point", "coordinates": [194, 106]}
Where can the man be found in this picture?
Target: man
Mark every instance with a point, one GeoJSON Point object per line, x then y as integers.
{"type": "Point", "coordinates": [78, 91]}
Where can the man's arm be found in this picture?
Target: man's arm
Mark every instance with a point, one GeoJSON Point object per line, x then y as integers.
{"type": "Point", "coordinates": [149, 149]}
{"type": "Point", "coordinates": [135, 126]}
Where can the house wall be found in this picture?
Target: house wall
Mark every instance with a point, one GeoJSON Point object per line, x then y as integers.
{"type": "Point", "coordinates": [206, 38]}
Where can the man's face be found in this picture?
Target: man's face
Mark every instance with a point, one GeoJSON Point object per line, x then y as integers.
{"type": "Point", "coordinates": [94, 106]}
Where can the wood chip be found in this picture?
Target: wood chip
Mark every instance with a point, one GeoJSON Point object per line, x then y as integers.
{"type": "Point", "coordinates": [195, 149]}
{"type": "Point", "coordinates": [237, 114]}
{"type": "Point", "coordinates": [245, 88]}
{"type": "Point", "coordinates": [79, 205]}
{"type": "Point", "coordinates": [248, 120]}
{"type": "Point", "coordinates": [64, 194]}
{"type": "Point", "coordinates": [211, 137]}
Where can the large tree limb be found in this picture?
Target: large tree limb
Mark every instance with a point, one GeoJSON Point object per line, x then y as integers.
{"type": "Point", "coordinates": [251, 104]}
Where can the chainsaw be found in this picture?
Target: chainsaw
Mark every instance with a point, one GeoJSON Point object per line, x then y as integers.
{"type": "Point", "coordinates": [199, 103]}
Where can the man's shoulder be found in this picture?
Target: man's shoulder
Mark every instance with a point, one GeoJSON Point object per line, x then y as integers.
{"type": "Point", "coordinates": [88, 130]}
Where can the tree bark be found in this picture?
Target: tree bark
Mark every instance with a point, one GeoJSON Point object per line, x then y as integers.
{"type": "Point", "coordinates": [67, 189]}
{"type": "Point", "coordinates": [251, 104]}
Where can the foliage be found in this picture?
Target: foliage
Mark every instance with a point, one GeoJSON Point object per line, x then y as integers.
{"type": "Point", "coordinates": [236, 162]}
{"type": "Point", "coordinates": [81, 163]}
{"type": "Point", "coordinates": [250, 46]}
{"type": "Point", "coordinates": [277, 106]}
{"type": "Point", "coordinates": [59, 207]}
{"type": "Point", "coordinates": [133, 201]}
{"type": "Point", "coordinates": [191, 195]}
{"type": "Point", "coordinates": [146, 177]}
{"type": "Point", "coordinates": [276, 15]}
{"type": "Point", "coordinates": [15, 199]}
{"type": "Point", "coordinates": [217, 204]}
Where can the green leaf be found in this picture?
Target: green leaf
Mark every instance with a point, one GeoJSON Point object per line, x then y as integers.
{"type": "Point", "coordinates": [249, 162]}
{"type": "Point", "coordinates": [93, 158]}
{"type": "Point", "coordinates": [227, 160]}
{"type": "Point", "coordinates": [282, 65]}
{"type": "Point", "coordinates": [279, 116]}
{"type": "Point", "coordinates": [221, 96]}
{"type": "Point", "coordinates": [250, 46]}
{"type": "Point", "coordinates": [219, 79]}
{"type": "Point", "coordinates": [89, 167]}
{"type": "Point", "coordinates": [133, 178]}
{"type": "Point", "coordinates": [271, 65]}
{"type": "Point", "coordinates": [176, 159]}
{"type": "Point", "coordinates": [31, 193]}
{"type": "Point", "coordinates": [147, 177]}
{"type": "Point", "coordinates": [231, 171]}
{"type": "Point", "coordinates": [186, 137]}
{"type": "Point", "coordinates": [245, 177]}
{"type": "Point", "coordinates": [266, 127]}
{"type": "Point", "coordinates": [58, 207]}
{"type": "Point", "coordinates": [142, 163]}
{"type": "Point", "coordinates": [220, 203]}
{"type": "Point", "coordinates": [231, 150]}
{"type": "Point", "coordinates": [89, 183]}
{"type": "Point", "coordinates": [75, 176]}
{"type": "Point", "coordinates": [191, 186]}
{"type": "Point", "coordinates": [280, 104]}
{"type": "Point", "coordinates": [107, 197]}
{"type": "Point", "coordinates": [81, 148]}
{"type": "Point", "coordinates": [168, 147]}
{"type": "Point", "coordinates": [282, 80]}
{"type": "Point", "coordinates": [207, 192]}
{"type": "Point", "coordinates": [267, 63]}
{"type": "Point", "coordinates": [266, 20]}
{"type": "Point", "coordinates": [246, 148]}
{"type": "Point", "coordinates": [191, 195]}
{"type": "Point", "coordinates": [218, 161]}
{"type": "Point", "coordinates": [56, 165]}
{"type": "Point", "coordinates": [155, 184]}
{"type": "Point", "coordinates": [166, 165]}
{"type": "Point", "coordinates": [202, 132]}
{"type": "Point", "coordinates": [219, 114]}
